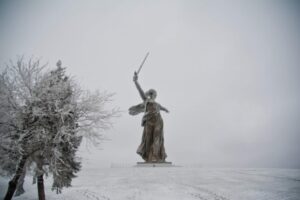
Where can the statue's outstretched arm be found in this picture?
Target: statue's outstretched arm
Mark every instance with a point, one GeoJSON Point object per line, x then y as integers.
{"type": "Point", "coordinates": [135, 80]}
{"type": "Point", "coordinates": [163, 108]}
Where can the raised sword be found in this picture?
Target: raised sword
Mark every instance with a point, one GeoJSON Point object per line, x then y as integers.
{"type": "Point", "coordinates": [138, 71]}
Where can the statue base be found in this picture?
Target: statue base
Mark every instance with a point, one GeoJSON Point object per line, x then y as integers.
{"type": "Point", "coordinates": [154, 164]}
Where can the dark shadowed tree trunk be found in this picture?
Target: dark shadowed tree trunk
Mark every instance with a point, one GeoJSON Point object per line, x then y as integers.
{"type": "Point", "coordinates": [12, 185]}
{"type": "Point", "coordinates": [41, 189]}
{"type": "Point", "coordinates": [39, 160]}
{"type": "Point", "coordinates": [20, 189]}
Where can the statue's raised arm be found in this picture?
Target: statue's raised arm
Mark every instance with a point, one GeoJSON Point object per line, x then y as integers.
{"type": "Point", "coordinates": [141, 92]}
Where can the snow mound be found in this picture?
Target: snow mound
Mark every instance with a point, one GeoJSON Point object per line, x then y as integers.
{"type": "Point", "coordinates": [174, 183]}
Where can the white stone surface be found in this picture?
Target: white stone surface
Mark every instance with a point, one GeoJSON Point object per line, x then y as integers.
{"type": "Point", "coordinates": [154, 164]}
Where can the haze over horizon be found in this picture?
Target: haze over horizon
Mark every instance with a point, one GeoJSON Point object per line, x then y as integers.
{"type": "Point", "coordinates": [227, 71]}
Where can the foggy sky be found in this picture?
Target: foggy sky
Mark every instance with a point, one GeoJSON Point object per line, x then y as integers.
{"type": "Point", "coordinates": [228, 72]}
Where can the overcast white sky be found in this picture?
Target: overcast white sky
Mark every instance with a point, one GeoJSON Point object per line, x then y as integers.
{"type": "Point", "coordinates": [227, 70]}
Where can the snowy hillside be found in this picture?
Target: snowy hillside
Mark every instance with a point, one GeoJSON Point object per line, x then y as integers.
{"type": "Point", "coordinates": [175, 183]}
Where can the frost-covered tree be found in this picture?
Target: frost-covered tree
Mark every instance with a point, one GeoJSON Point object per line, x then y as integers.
{"type": "Point", "coordinates": [52, 114]}
{"type": "Point", "coordinates": [9, 137]}
{"type": "Point", "coordinates": [16, 84]}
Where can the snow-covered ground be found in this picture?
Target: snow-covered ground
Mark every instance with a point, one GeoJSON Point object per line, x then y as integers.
{"type": "Point", "coordinates": [174, 183]}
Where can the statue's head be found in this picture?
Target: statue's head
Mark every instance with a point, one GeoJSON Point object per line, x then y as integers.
{"type": "Point", "coordinates": [151, 94]}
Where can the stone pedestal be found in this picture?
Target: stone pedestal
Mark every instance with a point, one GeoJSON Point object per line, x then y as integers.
{"type": "Point", "coordinates": [154, 164]}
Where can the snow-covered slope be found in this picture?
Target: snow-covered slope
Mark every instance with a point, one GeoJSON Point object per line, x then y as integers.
{"type": "Point", "coordinates": [174, 183]}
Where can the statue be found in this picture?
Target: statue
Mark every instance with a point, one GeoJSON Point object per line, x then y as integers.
{"type": "Point", "coordinates": [152, 147]}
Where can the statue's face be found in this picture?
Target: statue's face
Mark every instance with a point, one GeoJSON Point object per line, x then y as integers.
{"type": "Point", "coordinates": [151, 94]}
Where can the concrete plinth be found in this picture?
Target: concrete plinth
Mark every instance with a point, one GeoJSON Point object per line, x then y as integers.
{"type": "Point", "coordinates": [154, 164]}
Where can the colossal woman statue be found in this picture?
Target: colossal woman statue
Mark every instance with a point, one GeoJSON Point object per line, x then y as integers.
{"type": "Point", "coordinates": [152, 145]}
